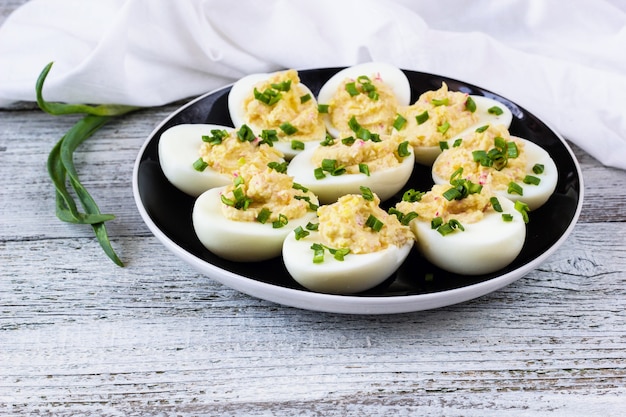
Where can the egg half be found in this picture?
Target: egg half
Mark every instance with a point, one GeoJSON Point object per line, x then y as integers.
{"type": "Point", "coordinates": [371, 92]}
{"type": "Point", "coordinates": [440, 115]}
{"type": "Point", "coordinates": [384, 181]}
{"type": "Point", "coordinates": [535, 178]}
{"type": "Point", "coordinates": [277, 101]}
{"type": "Point", "coordinates": [355, 247]}
{"type": "Point", "coordinates": [179, 148]}
{"type": "Point", "coordinates": [241, 241]}
{"type": "Point", "coordinates": [485, 246]}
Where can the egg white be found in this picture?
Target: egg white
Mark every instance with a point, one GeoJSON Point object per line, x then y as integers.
{"type": "Point", "coordinates": [239, 241]}
{"type": "Point", "coordinates": [390, 74]}
{"type": "Point", "coordinates": [385, 183]}
{"type": "Point", "coordinates": [484, 247]}
{"type": "Point", "coordinates": [356, 273]}
{"type": "Point", "coordinates": [533, 195]}
{"type": "Point", "coordinates": [179, 148]}
{"type": "Point", "coordinates": [426, 155]}
{"type": "Point", "coordinates": [240, 90]}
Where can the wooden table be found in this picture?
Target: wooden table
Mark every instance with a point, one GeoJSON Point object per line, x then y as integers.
{"type": "Point", "coordinates": [81, 336]}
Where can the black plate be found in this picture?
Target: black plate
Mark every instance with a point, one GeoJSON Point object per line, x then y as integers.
{"type": "Point", "coordinates": [167, 211]}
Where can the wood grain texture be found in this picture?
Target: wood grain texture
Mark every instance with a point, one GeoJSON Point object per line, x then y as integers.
{"type": "Point", "coordinates": [80, 336]}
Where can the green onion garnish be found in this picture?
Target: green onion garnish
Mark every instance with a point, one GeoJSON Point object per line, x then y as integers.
{"type": "Point", "coordinates": [538, 169]}
{"type": "Point", "coordinates": [354, 125]}
{"type": "Point", "coordinates": [305, 98]}
{"type": "Point", "coordinates": [451, 226]}
{"type": "Point", "coordinates": [269, 137]}
{"type": "Point", "coordinates": [374, 223]}
{"type": "Point", "coordinates": [300, 233]}
{"type": "Point", "coordinates": [399, 122]}
{"type": "Point", "coordinates": [406, 219]}
{"type": "Point", "coordinates": [442, 102]}
{"type": "Point", "coordinates": [443, 128]}
{"type": "Point", "coordinates": [470, 104]}
{"type": "Point", "coordinates": [436, 222]}
{"type": "Point", "coordinates": [288, 128]}
{"type": "Point", "coordinates": [312, 226]}
{"type": "Point", "coordinates": [282, 86]}
{"type": "Point", "coordinates": [403, 149]}
{"type": "Point", "coordinates": [282, 221]}
{"type": "Point", "coordinates": [200, 165]}
{"type": "Point", "coordinates": [507, 217]}
{"type": "Point", "coordinates": [322, 108]}
{"type": "Point", "coordinates": [523, 209]}
{"type": "Point", "coordinates": [412, 195]}
{"type": "Point", "coordinates": [443, 145]}
{"type": "Point", "coordinates": [351, 89]}
{"type": "Point", "coordinates": [264, 215]}
{"type": "Point", "coordinates": [421, 118]}
{"type": "Point", "coordinates": [278, 166]}
{"type": "Point", "coordinates": [245, 134]}
{"type": "Point", "coordinates": [328, 141]}
{"type": "Point", "coordinates": [366, 193]}
{"type": "Point", "coordinates": [482, 129]}
{"type": "Point", "coordinates": [457, 143]}
{"type": "Point", "coordinates": [318, 253]}
{"type": "Point", "coordinates": [515, 188]}
{"type": "Point", "coordinates": [495, 110]}
{"type": "Point", "coordinates": [319, 173]}
{"type": "Point", "coordinates": [531, 180]}
{"type": "Point", "coordinates": [495, 204]}
{"type": "Point", "coordinates": [297, 145]}
{"type": "Point", "coordinates": [349, 141]}
{"type": "Point", "coordinates": [364, 169]}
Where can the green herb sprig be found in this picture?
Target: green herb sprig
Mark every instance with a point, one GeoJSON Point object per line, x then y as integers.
{"type": "Point", "coordinates": [62, 170]}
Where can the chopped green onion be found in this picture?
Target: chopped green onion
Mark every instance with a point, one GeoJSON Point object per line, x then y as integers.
{"type": "Point", "coordinates": [278, 166]}
{"type": "Point", "coordinates": [297, 145]}
{"type": "Point", "coordinates": [507, 217]}
{"type": "Point", "coordinates": [443, 145]}
{"type": "Point", "coordinates": [328, 141]}
{"type": "Point", "coordinates": [452, 194]}
{"type": "Point", "coordinates": [312, 226]}
{"type": "Point", "coordinates": [523, 209]}
{"type": "Point", "coordinates": [374, 223]}
{"type": "Point", "coordinates": [495, 204]}
{"type": "Point", "coordinates": [305, 98]}
{"type": "Point", "coordinates": [216, 136]}
{"type": "Point", "coordinates": [288, 128]}
{"type": "Point", "coordinates": [282, 221]}
{"type": "Point", "coordinates": [339, 254]}
{"type": "Point", "coordinates": [318, 253]}
{"type": "Point", "coordinates": [349, 141]}
{"type": "Point", "coordinates": [457, 143]}
{"type": "Point", "coordinates": [300, 233]}
{"type": "Point", "coordinates": [531, 180]}
{"type": "Point", "coordinates": [406, 219]}
{"type": "Point", "coordinates": [436, 222]}
{"type": "Point", "coordinates": [245, 134]}
{"type": "Point", "coordinates": [354, 124]}
{"type": "Point", "coordinates": [451, 226]}
{"type": "Point", "coordinates": [399, 122]}
{"type": "Point", "coordinates": [511, 150]}
{"type": "Point", "coordinates": [482, 158]}
{"type": "Point", "coordinates": [319, 173]}
{"type": "Point", "coordinates": [495, 110]}
{"type": "Point", "coordinates": [421, 118]}
{"type": "Point", "coordinates": [470, 104]}
{"type": "Point", "coordinates": [300, 187]}
{"type": "Point", "coordinates": [515, 188]}
{"type": "Point", "coordinates": [366, 193]}
{"type": "Point", "coordinates": [364, 169]}
{"type": "Point", "coordinates": [264, 215]}
{"type": "Point", "coordinates": [443, 102]}
{"type": "Point", "coordinates": [412, 195]}
{"type": "Point", "coordinates": [403, 149]}
{"type": "Point", "coordinates": [322, 108]}
{"type": "Point", "coordinates": [351, 89]}
{"type": "Point", "coordinates": [443, 128]}
{"type": "Point", "coordinates": [269, 96]}
{"type": "Point", "coordinates": [312, 206]}
{"type": "Point", "coordinates": [282, 86]}
{"type": "Point", "coordinates": [538, 169]}
{"type": "Point", "coordinates": [268, 137]}
{"type": "Point", "coordinates": [200, 165]}
{"type": "Point", "coordinates": [482, 129]}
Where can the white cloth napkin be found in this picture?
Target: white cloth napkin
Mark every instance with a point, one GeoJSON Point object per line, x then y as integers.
{"type": "Point", "coordinates": [563, 61]}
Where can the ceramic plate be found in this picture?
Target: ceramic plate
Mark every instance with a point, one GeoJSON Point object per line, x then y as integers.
{"type": "Point", "coordinates": [417, 285]}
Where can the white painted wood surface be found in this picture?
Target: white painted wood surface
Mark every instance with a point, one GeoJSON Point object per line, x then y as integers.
{"type": "Point", "coordinates": [81, 336]}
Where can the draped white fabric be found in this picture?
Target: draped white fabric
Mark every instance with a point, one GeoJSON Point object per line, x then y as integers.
{"type": "Point", "coordinates": [563, 61]}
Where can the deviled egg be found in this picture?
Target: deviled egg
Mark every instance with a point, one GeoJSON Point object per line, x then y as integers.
{"type": "Point", "coordinates": [355, 246]}
{"type": "Point", "coordinates": [370, 92]}
{"type": "Point", "coordinates": [277, 102]}
{"type": "Point", "coordinates": [460, 229]}
{"type": "Point", "coordinates": [198, 157]}
{"type": "Point", "coordinates": [249, 219]}
{"type": "Point", "coordinates": [512, 167]}
{"type": "Point", "coordinates": [440, 115]}
{"type": "Point", "coordinates": [341, 166]}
